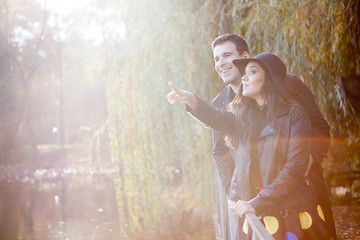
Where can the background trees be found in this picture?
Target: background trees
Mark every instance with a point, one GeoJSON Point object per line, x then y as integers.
{"type": "Point", "coordinates": [165, 41]}
{"type": "Point", "coordinates": [98, 74]}
{"type": "Point", "coordinates": [52, 89]}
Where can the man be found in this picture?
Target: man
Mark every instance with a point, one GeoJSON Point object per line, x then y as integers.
{"type": "Point", "coordinates": [228, 47]}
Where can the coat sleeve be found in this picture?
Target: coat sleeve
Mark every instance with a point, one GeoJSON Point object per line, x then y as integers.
{"type": "Point", "coordinates": [223, 159]}
{"type": "Point", "coordinates": [291, 175]}
{"type": "Point", "coordinates": [215, 118]}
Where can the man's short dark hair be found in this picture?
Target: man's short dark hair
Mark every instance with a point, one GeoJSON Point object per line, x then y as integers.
{"type": "Point", "coordinates": [239, 41]}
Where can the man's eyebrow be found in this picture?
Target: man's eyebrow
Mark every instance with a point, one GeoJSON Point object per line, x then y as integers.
{"type": "Point", "coordinates": [225, 53]}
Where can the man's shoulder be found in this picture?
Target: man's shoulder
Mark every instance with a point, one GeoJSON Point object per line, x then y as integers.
{"type": "Point", "coordinates": [297, 112]}
{"type": "Point", "coordinates": [292, 78]}
{"type": "Point", "coordinates": [223, 98]}
{"type": "Point", "coordinates": [295, 86]}
{"type": "Point", "coordinates": [283, 109]}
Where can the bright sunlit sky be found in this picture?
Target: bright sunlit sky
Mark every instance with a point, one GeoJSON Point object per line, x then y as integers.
{"type": "Point", "coordinates": [62, 8]}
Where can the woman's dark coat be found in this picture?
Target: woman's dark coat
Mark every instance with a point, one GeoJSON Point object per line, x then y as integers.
{"type": "Point", "coordinates": [282, 163]}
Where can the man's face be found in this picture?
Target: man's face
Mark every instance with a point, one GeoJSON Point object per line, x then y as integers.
{"type": "Point", "coordinates": [224, 54]}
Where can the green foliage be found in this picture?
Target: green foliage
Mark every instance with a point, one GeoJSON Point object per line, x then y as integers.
{"type": "Point", "coordinates": [153, 144]}
{"type": "Point", "coordinates": [177, 214]}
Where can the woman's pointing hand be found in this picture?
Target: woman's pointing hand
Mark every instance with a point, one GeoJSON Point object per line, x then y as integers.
{"type": "Point", "coordinates": [179, 95]}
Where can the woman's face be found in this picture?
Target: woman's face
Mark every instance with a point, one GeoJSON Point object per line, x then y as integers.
{"type": "Point", "coordinates": [252, 82]}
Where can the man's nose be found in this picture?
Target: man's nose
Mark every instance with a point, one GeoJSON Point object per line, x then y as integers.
{"type": "Point", "coordinates": [221, 61]}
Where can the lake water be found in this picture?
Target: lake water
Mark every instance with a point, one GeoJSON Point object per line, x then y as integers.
{"type": "Point", "coordinates": [81, 204]}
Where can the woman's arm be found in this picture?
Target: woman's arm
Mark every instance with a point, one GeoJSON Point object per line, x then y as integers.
{"type": "Point", "coordinates": [218, 119]}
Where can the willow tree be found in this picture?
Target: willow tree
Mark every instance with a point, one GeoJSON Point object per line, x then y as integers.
{"type": "Point", "coordinates": [157, 147]}
{"type": "Point", "coordinates": [319, 42]}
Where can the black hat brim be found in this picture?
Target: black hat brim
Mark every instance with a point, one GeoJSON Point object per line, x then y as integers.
{"type": "Point", "coordinates": [243, 62]}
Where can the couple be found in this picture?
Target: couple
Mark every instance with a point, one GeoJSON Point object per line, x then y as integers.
{"type": "Point", "coordinates": [268, 144]}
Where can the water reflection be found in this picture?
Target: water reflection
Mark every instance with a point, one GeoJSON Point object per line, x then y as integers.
{"type": "Point", "coordinates": [67, 203]}
{"type": "Point", "coordinates": [80, 203]}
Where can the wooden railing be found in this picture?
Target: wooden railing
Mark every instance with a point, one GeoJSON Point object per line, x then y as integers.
{"type": "Point", "coordinates": [259, 231]}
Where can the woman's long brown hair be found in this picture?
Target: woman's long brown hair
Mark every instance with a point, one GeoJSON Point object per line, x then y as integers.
{"type": "Point", "coordinates": [244, 109]}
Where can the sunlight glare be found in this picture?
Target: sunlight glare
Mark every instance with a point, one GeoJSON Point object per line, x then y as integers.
{"type": "Point", "coordinates": [95, 32]}
{"type": "Point", "coordinates": [64, 7]}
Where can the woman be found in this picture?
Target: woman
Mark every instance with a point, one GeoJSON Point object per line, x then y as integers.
{"type": "Point", "coordinates": [268, 132]}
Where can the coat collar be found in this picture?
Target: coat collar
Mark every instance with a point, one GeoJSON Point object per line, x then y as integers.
{"type": "Point", "coordinates": [224, 97]}
{"type": "Point", "coordinates": [267, 130]}
{"type": "Point", "coordinates": [281, 109]}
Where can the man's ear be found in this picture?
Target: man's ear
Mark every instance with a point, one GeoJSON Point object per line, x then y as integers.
{"type": "Point", "coordinates": [245, 54]}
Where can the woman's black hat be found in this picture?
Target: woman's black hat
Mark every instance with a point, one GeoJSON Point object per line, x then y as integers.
{"type": "Point", "coordinates": [272, 63]}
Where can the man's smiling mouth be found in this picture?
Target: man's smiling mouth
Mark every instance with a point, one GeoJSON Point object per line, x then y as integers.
{"type": "Point", "coordinates": [225, 70]}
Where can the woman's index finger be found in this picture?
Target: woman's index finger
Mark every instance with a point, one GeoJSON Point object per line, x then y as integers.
{"type": "Point", "coordinates": [173, 87]}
